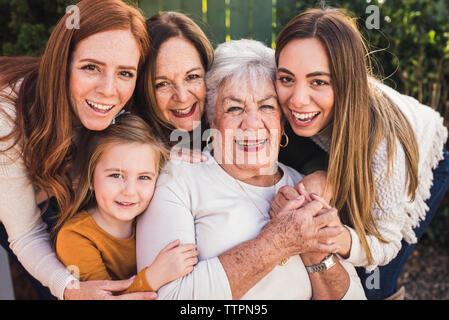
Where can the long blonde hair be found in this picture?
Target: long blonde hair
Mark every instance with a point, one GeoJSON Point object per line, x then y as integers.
{"type": "Point", "coordinates": [363, 118]}
{"type": "Point", "coordinates": [128, 128]}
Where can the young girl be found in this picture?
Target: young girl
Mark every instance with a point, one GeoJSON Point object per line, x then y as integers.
{"type": "Point", "coordinates": [117, 181]}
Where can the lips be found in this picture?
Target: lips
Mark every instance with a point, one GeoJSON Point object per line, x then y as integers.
{"type": "Point", "coordinates": [184, 113]}
{"type": "Point", "coordinates": [304, 119]}
{"type": "Point", "coordinates": [251, 145]}
{"type": "Point", "coordinates": [102, 108]}
{"type": "Point", "coordinates": [125, 204]}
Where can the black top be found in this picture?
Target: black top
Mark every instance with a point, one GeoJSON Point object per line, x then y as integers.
{"type": "Point", "coordinates": [302, 153]}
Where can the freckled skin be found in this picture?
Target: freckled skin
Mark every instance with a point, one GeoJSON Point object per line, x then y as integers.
{"type": "Point", "coordinates": [287, 234]}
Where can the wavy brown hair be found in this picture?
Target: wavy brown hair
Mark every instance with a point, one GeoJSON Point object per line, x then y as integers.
{"type": "Point", "coordinates": [162, 27]}
{"type": "Point", "coordinates": [363, 118]}
{"type": "Point", "coordinates": [44, 116]}
{"type": "Point", "coordinates": [128, 128]}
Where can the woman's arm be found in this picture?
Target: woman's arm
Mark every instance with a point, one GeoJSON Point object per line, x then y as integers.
{"type": "Point", "coordinates": [167, 219]}
{"type": "Point", "coordinates": [27, 233]}
{"type": "Point", "coordinates": [28, 236]}
{"type": "Point", "coordinates": [235, 271]}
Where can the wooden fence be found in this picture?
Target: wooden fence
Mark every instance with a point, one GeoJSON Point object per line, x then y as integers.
{"type": "Point", "coordinates": [223, 20]}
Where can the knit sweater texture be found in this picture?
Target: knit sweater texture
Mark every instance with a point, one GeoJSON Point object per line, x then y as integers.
{"type": "Point", "coordinates": [400, 215]}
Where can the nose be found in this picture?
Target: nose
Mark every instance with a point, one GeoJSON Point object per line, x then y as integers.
{"type": "Point", "coordinates": [301, 95]}
{"type": "Point", "coordinates": [181, 93]}
{"type": "Point", "coordinates": [252, 119]}
{"type": "Point", "coordinates": [129, 187]}
{"type": "Point", "coordinates": [107, 86]}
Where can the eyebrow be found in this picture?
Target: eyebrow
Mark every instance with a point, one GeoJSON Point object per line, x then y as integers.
{"type": "Point", "coordinates": [309, 75]}
{"type": "Point", "coordinates": [121, 170]}
{"type": "Point", "coordinates": [103, 64]}
{"type": "Point", "coordinates": [232, 98]}
{"type": "Point", "coordinates": [188, 71]}
{"type": "Point", "coordinates": [270, 96]}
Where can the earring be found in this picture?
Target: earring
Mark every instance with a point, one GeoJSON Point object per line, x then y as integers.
{"type": "Point", "coordinates": [286, 140]}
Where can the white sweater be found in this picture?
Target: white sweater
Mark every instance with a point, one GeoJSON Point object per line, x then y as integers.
{"type": "Point", "coordinates": [202, 204]}
{"type": "Point", "coordinates": [20, 215]}
{"type": "Point", "coordinates": [401, 215]}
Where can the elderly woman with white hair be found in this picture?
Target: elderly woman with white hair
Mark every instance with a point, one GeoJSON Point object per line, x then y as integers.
{"type": "Point", "coordinates": [223, 204]}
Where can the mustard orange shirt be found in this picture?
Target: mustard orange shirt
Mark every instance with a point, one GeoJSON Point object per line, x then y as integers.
{"type": "Point", "coordinates": [94, 254]}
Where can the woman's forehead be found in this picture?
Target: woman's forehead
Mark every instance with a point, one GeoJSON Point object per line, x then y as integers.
{"type": "Point", "coordinates": [240, 88]}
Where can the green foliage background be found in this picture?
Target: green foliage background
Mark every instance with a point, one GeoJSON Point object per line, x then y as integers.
{"type": "Point", "coordinates": [410, 49]}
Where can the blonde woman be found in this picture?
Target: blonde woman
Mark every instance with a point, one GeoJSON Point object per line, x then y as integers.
{"type": "Point", "coordinates": [387, 163]}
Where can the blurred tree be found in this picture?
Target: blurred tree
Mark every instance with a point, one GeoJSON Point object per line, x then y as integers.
{"type": "Point", "coordinates": [27, 24]}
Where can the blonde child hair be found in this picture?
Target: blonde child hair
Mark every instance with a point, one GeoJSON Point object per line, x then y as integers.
{"type": "Point", "coordinates": [127, 128]}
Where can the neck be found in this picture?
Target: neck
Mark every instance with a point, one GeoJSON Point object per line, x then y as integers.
{"type": "Point", "coordinates": [261, 177]}
{"type": "Point", "coordinates": [116, 228]}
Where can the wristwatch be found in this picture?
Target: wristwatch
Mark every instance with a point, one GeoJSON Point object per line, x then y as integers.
{"type": "Point", "coordinates": [324, 265]}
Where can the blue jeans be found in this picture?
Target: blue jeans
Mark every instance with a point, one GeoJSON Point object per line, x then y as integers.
{"type": "Point", "coordinates": [41, 291]}
{"type": "Point", "coordinates": [381, 283]}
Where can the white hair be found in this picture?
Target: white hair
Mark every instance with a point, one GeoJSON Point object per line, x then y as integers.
{"type": "Point", "coordinates": [240, 60]}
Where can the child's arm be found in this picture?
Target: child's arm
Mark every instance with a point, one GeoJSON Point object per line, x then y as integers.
{"type": "Point", "coordinates": [173, 261]}
{"type": "Point", "coordinates": [81, 256]}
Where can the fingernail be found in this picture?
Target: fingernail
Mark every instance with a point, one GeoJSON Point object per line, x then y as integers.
{"type": "Point", "coordinates": [132, 278]}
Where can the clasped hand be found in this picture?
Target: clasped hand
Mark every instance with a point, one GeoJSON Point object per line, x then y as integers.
{"type": "Point", "coordinates": [306, 223]}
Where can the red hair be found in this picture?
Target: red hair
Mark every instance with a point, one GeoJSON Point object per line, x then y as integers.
{"type": "Point", "coordinates": [44, 116]}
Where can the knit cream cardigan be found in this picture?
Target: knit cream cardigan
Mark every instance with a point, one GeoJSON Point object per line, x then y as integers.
{"type": "Point", "coordinates": [400, 215]}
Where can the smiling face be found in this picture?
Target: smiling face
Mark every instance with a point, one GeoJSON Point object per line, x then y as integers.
{"type": "Point", "coordinates": [304, 86]}
{"type": "Point", "coordinates": [123, 181]}
{"type": "Point", "coordinates": [179, 83]}
{"type": "Point", "coordinates": [103, 71]}
{"type": "Point", "coordinates": [248, 119]}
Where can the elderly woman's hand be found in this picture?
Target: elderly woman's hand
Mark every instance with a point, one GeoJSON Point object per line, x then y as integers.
{"type": "Point", "coordinates": [303, 230]}
{"type": "Point", "coordinates": [313, 183]}
{"type": "Point", "coordinates": [344, 239]}
{"type": "Point", "coordinates": [104, 290]}
{"type": "Point", "coordinates": [286, 199]}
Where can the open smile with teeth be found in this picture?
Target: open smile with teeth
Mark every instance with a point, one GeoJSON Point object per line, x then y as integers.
{"type": "Point", "coordinates": [187, 112]}
{"type": "Point", "coordinates": [99, 107]}
{"type": "Point", "coordinates": [251, 143]}
{"type": "Point", "coordinates": [305, 116]}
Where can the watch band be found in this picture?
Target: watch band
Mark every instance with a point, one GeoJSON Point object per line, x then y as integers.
{"type": "Point", "coordinates": [324, 265]}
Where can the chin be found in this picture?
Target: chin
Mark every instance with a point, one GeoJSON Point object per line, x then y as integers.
{"type": "Point", "coordinates": [187, 125]}
{"type": "Point", "coordinates": [97, 126]}
{"type": "Point", "coordinates": [302, 132]}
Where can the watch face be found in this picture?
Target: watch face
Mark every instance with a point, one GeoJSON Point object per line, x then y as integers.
{"type": "Point", "coordinates": [329, 261]}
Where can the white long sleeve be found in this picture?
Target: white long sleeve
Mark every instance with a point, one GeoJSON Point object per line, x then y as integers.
{"type": "Point", "coordinates": [202, 204]}
{"type": "Point", "coordinates": [20, 215]}
{"type": "Point", "coordinates": [167, 219]}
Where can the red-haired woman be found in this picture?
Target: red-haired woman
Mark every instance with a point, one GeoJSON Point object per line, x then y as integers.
{"type": "Point", "coordinates": [85, 77]}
